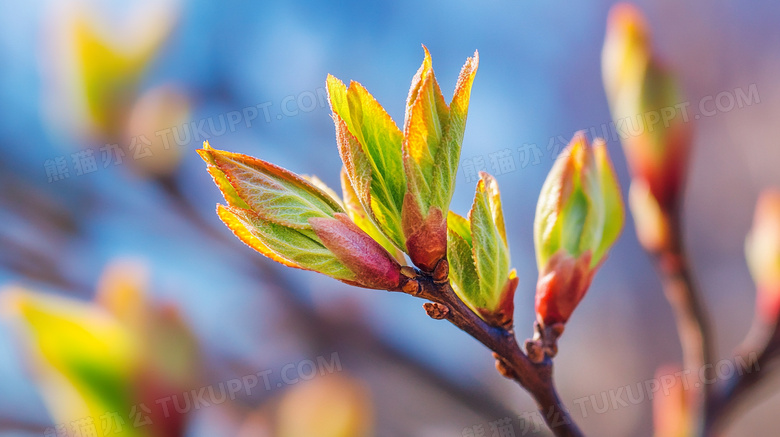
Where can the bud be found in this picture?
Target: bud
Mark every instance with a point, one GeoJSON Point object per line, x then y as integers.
{"type": "Point", "coordinates": [646, 105]}
{"type": "Point", "coordinates": [405, 180]}
{"type": "Point", "coordinates": [578, 218]}
{"type": "Point", "coordinates": [372, 265]}
{"type": "Point", "coordinates": [292, 221]}
{"type": "Point", "coordinates": [762, 249]}
{"type": "Point", "coordinates": [433, 133]}
{"type": "Point", "coordinates": [478, 253]}
{"type": "Point", "coordinates": [651, 223]}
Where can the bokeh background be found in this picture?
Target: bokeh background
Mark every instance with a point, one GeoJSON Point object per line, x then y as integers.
{"type": "Point", "coordinates": [85, 85]}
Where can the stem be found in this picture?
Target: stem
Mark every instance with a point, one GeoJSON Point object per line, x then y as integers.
{"type": "Point", "coordinates": [691, 319]}
{"type": "Point", "coordinates": [537, 379]}
{"type": "Point", "coordinates": [733, 391]}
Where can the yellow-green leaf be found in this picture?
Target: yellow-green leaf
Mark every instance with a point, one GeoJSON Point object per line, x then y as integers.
{"type": "Point", "coordinates": [273, 193]}
{"type": "Point", "coordinates": [293, 247]}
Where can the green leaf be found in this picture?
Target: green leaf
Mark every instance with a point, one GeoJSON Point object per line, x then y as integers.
{"type": "Point", "coordinates": [87, 359]}
{"type": "Point", "coordinates": [427, 116]}
{"type": "Point", "coordinates": [299, 248]}
{"type": "Point", "coordinates": [463, 273]}
{"type": "Point", "coordinates": [491, 253]}
{"type": "Point", "coordinates": [273, 193]}
{"type": "Point", "coordinates": [448, 156]}
{"type": "Point", "coordinates": [370, 147]}
{"type": "Point", "coordinates": [358, 215]}
{"type": "Point", "coordinates": [460, 225]}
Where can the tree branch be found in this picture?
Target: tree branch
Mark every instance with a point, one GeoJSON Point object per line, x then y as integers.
{"type": "Point", "coordinates": [733, 391]}
{"type": "Point", "coordinates": [537, 379]}
{"type": "Point", "coordinates": [691, 318]}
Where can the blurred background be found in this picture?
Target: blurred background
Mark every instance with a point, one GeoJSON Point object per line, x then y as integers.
{"type": "Point", "coordinates": [118, 275]}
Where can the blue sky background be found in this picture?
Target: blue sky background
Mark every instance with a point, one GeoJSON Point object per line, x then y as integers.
{"type": "Point", "coordinates": [538, 82]}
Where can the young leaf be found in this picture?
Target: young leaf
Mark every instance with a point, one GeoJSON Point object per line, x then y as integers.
{"type": "Point", "coordinates": [479, 257]}
{"type": "Point", "coordinates": [578, 218]}
{"type": "Point", "coordinates": [358, 215]}
{"type": "Point", "coordinates": [431, 150]}
{"type": "Point", "coordinates": [292, 247]}
{"type": "Point", "coordinates": [487, 228]}
{"type": "Point", "coordinates": [404, 180]}
{"type": "Point", "coordinates": [463, 273]}
{"type": "Point", "coordinates": [272, 192]}
{"type": "Point", "coordinates": [370, 147]}
{"type": "Point", "coordinates": [297, 221]}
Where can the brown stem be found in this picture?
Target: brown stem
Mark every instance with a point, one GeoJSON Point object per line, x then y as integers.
{"type": "Point", "coordinates": [537, 379]}
{"type": "Point", "coordinates": [733, 391]}
{"type": "Point", "coordinates": [690, 316]}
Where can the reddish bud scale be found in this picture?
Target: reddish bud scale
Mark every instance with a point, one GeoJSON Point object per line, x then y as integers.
{"type": "Point", "coordinates": [664, 176]}
{"type": "Point", "coordinates": [426, 237]}
{"type": "Point", "coordinates": [561, 287]}
{"type": "Point", "coordinates": [373, 266]}
{"type": "Point", "coordinates": [503, 315]}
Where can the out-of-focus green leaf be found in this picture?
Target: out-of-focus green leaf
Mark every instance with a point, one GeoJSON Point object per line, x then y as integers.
{"type": "Point", "coordinates": [86, 358]}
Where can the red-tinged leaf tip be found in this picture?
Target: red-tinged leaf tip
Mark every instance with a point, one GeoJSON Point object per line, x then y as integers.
{"type": "Point", "coordinates": [240, 230]}
{"type": "Point", "coordinates": [460, 98]}
{"type": "Point", "coordinates": [626, 17]}
{"type": "Point", "coordinates": [372, 265]}
{"type": "Point", "coordinates": [220, 179]}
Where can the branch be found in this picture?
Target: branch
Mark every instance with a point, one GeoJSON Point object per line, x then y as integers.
{"type": "Point", "coordinates": [690, 315]}
{"type": "Point", "coordinates": [731, 394]}
{"type": "Point", "coordinates": [512, 363]}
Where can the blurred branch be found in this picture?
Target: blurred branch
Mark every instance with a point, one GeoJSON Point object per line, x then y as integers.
{"type": "Point", "coordinates": [13, 424]}
{"type": "Point", "coordinates": [731, 394]}
{"type": "Point", "coordinates": [692, 322]}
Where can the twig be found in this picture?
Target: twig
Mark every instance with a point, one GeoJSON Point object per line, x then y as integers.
{"type": "Point", "coordinates": [537, 379]}
{"type": "Point", "coordinates": [690, 316]}
{"type": "Point", "coordinates": [732, 392]}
